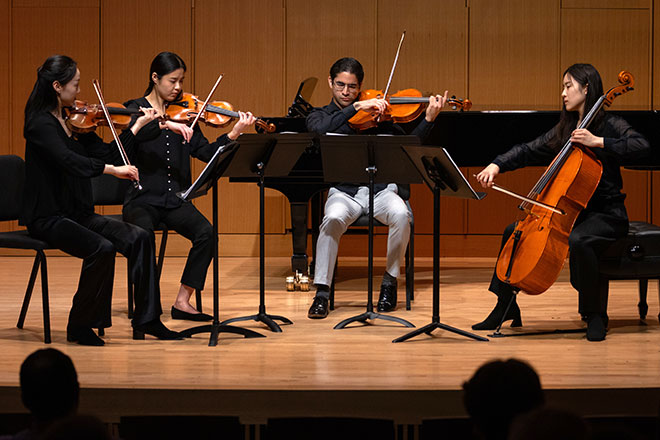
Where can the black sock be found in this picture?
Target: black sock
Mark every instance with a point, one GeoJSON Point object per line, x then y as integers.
{"type": "Point", "coordinates": [322, 291]}
{"type": "Point", "coordinates": [388, 280]}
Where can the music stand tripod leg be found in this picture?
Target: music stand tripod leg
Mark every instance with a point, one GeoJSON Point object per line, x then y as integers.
{"type": "Point", "coordinates": [262, 316]}
{"type": "Point", "coordinates": [370, 314]}
{"type": "Point", "coordinates": [435, 320]}
{"type": "Point", "coordinates": [216, 327]}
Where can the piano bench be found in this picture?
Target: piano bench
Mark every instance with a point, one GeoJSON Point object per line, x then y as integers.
{"type": "Point", "coordinates": [635, 257]}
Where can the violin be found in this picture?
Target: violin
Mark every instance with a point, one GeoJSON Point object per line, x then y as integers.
{"type": "Point", "coordinates": [405, 106]}
{"type": "Point", "coordinates": [83, 117]}
{"type": "Point", "coordinates": [216, 113]}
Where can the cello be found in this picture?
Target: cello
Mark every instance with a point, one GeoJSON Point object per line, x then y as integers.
{"type": "Point", "coordinates": [535, 253]}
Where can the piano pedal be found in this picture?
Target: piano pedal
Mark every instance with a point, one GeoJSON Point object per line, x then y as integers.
{"type": "Point", "coordinates": [297, 282]}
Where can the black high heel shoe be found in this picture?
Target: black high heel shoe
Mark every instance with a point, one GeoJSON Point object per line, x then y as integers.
{"type": "Point", "coordinates": [495, 317]}
{"type": "Point", "coordinates": [155, 328]}
{"type": "Point", "coordinates": [83, 336]}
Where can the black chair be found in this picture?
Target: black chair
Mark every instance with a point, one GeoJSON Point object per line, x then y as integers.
{"type": "Point", "coordinates": [635, 257]}
{"type": "Point", "coordinates": [12, 181]}
{"type": "Point", "coordinates": [108, 190]}
{"type": "Point", "coordinates": [360, 227]}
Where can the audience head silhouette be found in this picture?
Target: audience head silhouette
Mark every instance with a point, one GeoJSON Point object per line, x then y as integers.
{"type": "Point", "coordinates": [49, 385]}
{"type": "Point", "coordinates": [497, 392]}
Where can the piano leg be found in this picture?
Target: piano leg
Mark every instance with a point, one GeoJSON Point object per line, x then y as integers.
{"type": "Point", "coordinates": [299, 236]}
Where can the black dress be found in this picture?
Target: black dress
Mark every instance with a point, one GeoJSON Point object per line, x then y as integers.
{"type": "Point", "coordinates": [604, 219]}
{"type": "Point", "coordinates": [163, 159]}
{"type": "Point", "coordinates": [58, 209]}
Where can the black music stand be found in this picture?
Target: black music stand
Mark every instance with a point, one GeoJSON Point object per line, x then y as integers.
{"type": "Point", "coordinates": [368, 159]}
{"type": "Point", "coordinates": [256, 156]}
{"type": "Point", "coordinates": [209, 179]}
{"type": "Point", "coordinates": [442, 175]}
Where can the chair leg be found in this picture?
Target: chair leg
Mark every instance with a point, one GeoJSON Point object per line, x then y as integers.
{"type": "Point", "coordinates": [44, 297]}
{"type": "Point", "coordinates": [198, 300]}
{"type": "Point", "coordinates": [332, 289]}
{"type": "Point", "coordinates": [28, 291]}
{"type": "Point", "coordinates": [408, 278]}
{"type": "Point", "coordinates": [659, 297]}
{"type": "Point", "coordinates": [130, 293]}
{"type": "Point", "coordinates": [410, 268]}
{"type": "Point", "coordinates": [642, 306]}
{"type": "Point", "coordinates": [161, 253]}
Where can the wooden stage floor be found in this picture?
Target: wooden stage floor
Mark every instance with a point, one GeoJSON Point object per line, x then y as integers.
{"type": "Point", "coordinates": [312, 370]}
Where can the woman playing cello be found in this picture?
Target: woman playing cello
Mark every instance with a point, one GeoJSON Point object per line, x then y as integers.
{"type": "Point", "coordinates": [604, 220]}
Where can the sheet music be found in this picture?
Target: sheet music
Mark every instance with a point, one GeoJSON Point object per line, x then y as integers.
{"type": "Point", "coordinates": [184, 195]}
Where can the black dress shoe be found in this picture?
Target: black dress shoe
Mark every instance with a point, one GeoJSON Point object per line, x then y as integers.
{"type": "Point", "coordinates": [596, 328]}
{"type": "Point", "coordinates": [180, 314]}
{"type": "Point", "coordinates": [83, 336]}
{"type": "Point", "coordinates": [495, 317]}
{"type": "Point", "coordinates": [155, 328]}
{"type": "Point", "coordinates": [319, 308]}
{"type": "Point", "coordinates": [387, 298]}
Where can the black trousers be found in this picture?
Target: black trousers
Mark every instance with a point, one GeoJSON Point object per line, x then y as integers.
{"type": "Point", "coordinates": [95, 238]}
{"type": "Point", "coordinates": [593, 232]}
{"type": "Point", "coordinates": [189, 223]}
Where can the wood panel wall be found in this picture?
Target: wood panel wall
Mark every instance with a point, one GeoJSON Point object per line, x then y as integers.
{"type": "Point", "coordinates": [503, 55]}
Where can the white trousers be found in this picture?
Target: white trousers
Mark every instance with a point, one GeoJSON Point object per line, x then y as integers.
{"type": "Point", "coordinates": [341, 210]}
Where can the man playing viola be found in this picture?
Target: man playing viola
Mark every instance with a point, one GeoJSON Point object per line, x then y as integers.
{"type": "Point", "coordinates": [347, 202]}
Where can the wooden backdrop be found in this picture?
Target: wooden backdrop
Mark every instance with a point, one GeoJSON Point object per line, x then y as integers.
{"type": "Point", "coordinates": [504, 54]}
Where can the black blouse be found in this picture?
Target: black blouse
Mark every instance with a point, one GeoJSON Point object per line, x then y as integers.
{"type": "Point", "coordinates": [621, 143]}
{"type": "Point", "coordinates": [59, 168]}
{"type": "Point", "coordinates": [163, 160]}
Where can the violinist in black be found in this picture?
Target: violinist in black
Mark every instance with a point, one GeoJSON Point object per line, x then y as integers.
{"type": "Point", "coordinates": [604, 220]}
{"type": "Point", "coordinates": [162, 153]}
{"type": "Point", "coordinates": [58, 207]}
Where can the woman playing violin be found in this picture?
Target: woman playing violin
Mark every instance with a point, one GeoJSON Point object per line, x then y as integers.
{"type": "Point", "coordinates": [604, 220]}
{"type": "Point", "coordinates": [162, 153]}
{"type": "Point", "coordinates": [346, 202]}
{"type": "Point", "coordinates": [58, 206]}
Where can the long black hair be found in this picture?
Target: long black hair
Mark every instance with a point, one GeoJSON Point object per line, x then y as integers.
{"type": "Point", "coordinates": [585, 75]}
{"type": "Point", "coordinates": [350, 65]}
{"type": "Point", "coordinates": [59, 68]}
{"type": "Point", "coordinates": [164, 63]}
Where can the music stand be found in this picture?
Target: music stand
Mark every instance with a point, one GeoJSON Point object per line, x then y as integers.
{"type": "Point", "coordinates": [209, 179]}
{"type": "Point", "coordinates": [441, 175]}
{"type": "Point", "coordinates": [256, 156]}
{"type": "Point", "coordinates": [368, 159]}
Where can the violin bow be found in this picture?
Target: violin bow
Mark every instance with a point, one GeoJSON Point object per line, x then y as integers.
{"type": "Point", "coordinates": [122, 152]}
{"type": "Point", "coordinates": [206, 102]}
{"type": "Point", "coordinates": [396, 59]}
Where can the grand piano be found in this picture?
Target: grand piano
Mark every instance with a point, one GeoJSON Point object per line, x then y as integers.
{"type": "Point", "coordinates": [472, 139]}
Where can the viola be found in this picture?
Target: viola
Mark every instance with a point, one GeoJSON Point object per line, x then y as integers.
{"type": "Point", "coordinates": [216, 113]}
{"type": "Point", "coordinates": [405, 106]}
{"type": "Point", "coordinates": [83, 117]}
{"type": "Point", "coordinates": [533, 256]}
